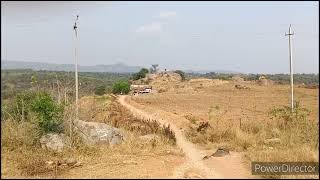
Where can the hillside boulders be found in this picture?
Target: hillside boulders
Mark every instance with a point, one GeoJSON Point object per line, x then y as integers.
{"type": "Point", "coordinates": [54, 142]}
{"type": "Point", "coordinates": [98, 133]}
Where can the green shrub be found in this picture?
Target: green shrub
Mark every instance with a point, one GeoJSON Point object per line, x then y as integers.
{"type": "Point", "coordinates": [100, 90]}
{"type": "Point", "coordinates": [48, 112]}
{"type": "Point", "coordinates": [295, 127]}
{"type": "Point", "coordinates": [121, 87]}
{"type": "Point", "coordinates": [141, 74]}
{"type": "Point", "coordinates": [287, 118]}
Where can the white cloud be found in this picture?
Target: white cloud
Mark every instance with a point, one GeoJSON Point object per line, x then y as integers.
{"type": "Point", "coordinates": [166, 14]}
{"type": "Point", "coordinates": [153, 27]}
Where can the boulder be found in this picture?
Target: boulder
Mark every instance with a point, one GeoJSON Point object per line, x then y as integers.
{"type": "Point", "coordinates": [98, 133]}
{"type": "Point", "coordinates": [221, 152]}
{"type": "Point", "coordinates": [54, 142]}
{"type": "Point", "coordinates": [70, 161]}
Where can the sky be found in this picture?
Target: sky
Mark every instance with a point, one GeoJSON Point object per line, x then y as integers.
{"type": "Point", "coordinates": [247, 37]}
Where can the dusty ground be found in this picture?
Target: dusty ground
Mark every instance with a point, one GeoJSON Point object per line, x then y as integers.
{"type": "Point", "coordinates": [235, 106]}
{"type": "Point", "coordinates": [127, 166]}
{"type": "Point", "coordinates": [195, 167]}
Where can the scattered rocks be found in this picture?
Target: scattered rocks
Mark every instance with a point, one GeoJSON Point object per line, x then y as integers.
{"type": "Point", "coordinates": [239, 86]}
{"type": "Point", "coordinates": [98, 133]}
{"type": "Point", "coordinates": [206, 157]}
{"type": "Point", "coordinates": [272, 141]}
{"type": "Point", "coordinates": [66, 162]}
{"type": "Point", "coordinates": [221, 151]}
{"type": "Point", "coordinates": [54, 142]}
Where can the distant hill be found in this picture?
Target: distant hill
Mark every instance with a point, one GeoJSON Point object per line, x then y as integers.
{"type": "Point", "coordinates": [115, 68]}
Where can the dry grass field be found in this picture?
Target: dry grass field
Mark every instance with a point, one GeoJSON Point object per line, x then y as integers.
{"type": "Point", "coordinates": [209, 113]}
{"type": "Point", "coordinates": [250, 105]}
{"type": "Point", "coordinates": [241, 119]}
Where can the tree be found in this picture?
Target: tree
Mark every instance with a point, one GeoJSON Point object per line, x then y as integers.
{"type": "Point", "coordinates": [121, 87]}
{"type": "Point", "coordinates": [141, 74]}
{"type": "Point", "coordinates": [153, 68]}
{"type": "Point", "coordinates": [48, 112]}
{"type": "Point", "coordinates": [182, 74]}
{"type": "Point", "coordinates": [100, 90]}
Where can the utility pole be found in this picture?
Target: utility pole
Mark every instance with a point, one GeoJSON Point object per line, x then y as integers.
{"type": "Point", "coordinates": [76, 72]}
{"type": "Point", "coordinates": [291, 66]}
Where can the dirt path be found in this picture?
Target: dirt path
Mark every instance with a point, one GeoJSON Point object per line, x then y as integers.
{"type": "Point", "coordinates": [195, 167]}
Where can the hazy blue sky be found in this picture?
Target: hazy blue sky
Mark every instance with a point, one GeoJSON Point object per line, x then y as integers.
{"type": "Point", "coordinates": [240, 36]}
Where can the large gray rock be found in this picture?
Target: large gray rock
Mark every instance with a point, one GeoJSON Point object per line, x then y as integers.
{"type": "Point", "coordinates": [98, 133]}
{"type": "Point", "coordinates": [55, 142]}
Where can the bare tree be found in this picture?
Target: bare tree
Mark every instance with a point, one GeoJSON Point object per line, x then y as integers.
{"type": "Point", "coordinates": [154, 68]}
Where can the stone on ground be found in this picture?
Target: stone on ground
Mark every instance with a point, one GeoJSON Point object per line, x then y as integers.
{"type": "Point", "coordinates": [98, 133]}
{"type": "Point", "coordinates": [54, 142]}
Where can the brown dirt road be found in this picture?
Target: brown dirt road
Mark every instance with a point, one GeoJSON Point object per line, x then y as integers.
{"type": "Point", "coordinates": [195, 167]}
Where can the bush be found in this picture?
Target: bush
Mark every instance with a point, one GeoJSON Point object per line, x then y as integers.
{"type": "Point", "coordinates": [295, 126]}
{"type": "Point", "coordinates": [48, 112]}
{"type": "Point", "coordinates": [182, 74]}
{"type": "Point", "coordinates": [100, 90]}
{"type": "Point", "coordinates": [20, 109]}
{"type": "Point", "coordinates": [141, 74]}
{"type": "Point", "coordinates": [121, 87]}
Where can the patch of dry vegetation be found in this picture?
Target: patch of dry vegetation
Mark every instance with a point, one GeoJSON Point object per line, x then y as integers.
{"type": "Point", "coordinates": [111, 112]}
{"type": "Point", "coordinates": [22, 155]}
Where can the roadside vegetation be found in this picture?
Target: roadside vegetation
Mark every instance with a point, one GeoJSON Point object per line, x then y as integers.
{"type": "Point", "coordinates": [121, 87]}
{"type": "Point", "coordinates": [34, 110]}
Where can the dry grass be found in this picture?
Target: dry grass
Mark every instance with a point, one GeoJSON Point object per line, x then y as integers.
{"type": "Point", "coordinates": [132, 159]}
{"type": "Point", "coordinates": [112, 113]}
{"type": "Point", "coordinates": [22, 156]}
{"type": "Point", "coordinates": [240, 119]}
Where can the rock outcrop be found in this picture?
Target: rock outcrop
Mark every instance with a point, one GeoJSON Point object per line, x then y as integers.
{"type": "Point", "coordinates": [98, 133]}
{"type": "Point", "coordinates": [54, 142]}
